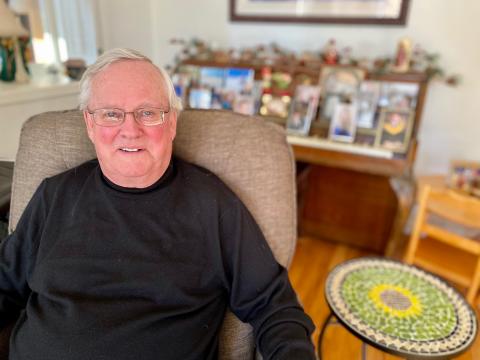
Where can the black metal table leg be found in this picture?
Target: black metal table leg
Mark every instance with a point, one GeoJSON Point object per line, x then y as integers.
{"type": "Point", "coordinates": [322, 332]}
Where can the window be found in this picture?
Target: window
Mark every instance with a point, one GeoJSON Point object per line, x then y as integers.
{"type": "Point", "coordinates": [68, 29]}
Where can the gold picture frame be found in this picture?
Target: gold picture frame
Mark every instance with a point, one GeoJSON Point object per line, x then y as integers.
{"type": "Point", "coordinates": [395, 130]}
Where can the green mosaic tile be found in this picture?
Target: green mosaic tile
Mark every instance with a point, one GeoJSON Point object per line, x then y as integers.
{"type": "Point", "coordinates": [399, 304]}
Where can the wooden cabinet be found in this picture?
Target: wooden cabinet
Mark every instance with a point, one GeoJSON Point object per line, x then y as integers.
{"type": "Point", "coordinates": [347, 194]}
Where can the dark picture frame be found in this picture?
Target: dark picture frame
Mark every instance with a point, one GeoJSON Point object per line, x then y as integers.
{"type": "Point", "coordinates": [282, 11]}
{"type": "Point", "coordinates": [395, 130]}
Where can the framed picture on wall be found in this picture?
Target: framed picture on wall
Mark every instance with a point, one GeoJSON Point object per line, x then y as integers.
{"type": "Point", "coordinates": [381, 12]}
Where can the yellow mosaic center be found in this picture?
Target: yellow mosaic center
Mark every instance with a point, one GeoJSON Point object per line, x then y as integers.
{"type": "Point", "coordinates": [395, 300]}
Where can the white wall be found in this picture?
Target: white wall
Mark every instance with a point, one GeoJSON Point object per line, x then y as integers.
{"type": "Point", "coordinates": [450, 127]}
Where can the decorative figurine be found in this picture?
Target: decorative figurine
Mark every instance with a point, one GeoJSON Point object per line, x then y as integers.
{"type": "Point", "coordinates": [330, 54]}
{"type": "Point", "coordinates": [403, 56]}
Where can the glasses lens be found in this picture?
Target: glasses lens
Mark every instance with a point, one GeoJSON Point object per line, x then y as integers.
{"type": "Point", "coordinates": [150, 116]}
{"type": "Point", "coordinates": [109, 117]}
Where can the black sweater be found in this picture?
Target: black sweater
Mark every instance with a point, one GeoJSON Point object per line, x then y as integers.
{"type": "Point", "coordinates": [96, 271]}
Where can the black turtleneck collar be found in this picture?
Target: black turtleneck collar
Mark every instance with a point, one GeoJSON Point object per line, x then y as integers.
{"type": "Point", "coordinates": [164, 179]}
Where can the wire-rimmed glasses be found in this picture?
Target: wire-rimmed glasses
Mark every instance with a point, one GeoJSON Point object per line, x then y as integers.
{"type": "Point", "coordinates": [148, 116]}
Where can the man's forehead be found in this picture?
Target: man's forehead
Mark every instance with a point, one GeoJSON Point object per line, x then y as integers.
{"type": "Point", "coordinates": [127, 79]}
{"type": "Point", "coordinates": [126, 68]}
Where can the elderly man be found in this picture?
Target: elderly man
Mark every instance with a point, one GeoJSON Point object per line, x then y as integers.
{"type": "Point", "coordinates": [137, 254]}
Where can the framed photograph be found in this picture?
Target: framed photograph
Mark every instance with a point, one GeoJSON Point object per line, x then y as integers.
{"type": "Point", "coordinates": [367, 102]}
{"type": "Point", "coordinates": [227, 98]}
{"type": "Point", "coordinates": [239, 80]}
{"type": "Point", "coordinates": [394, 130]}
{"type": "Point", "coordinates": [303, 109]}
{"type": "Point", "coordinates": [244, 104]}
{"type": "Point", "coordinates": [343, 125]}
{"type": "Point", "coordinates": [464, 176]}
{"type": "Point", "coordinates": [399, 95]}
{"type": "Point", "coordinates": [341, 80]}
{"type": "Point", "coordinates": [330, 102]}
{"type": "Point", "coordinates": [339, 84]}
{"type": "Point", "coordinates": [212, 77]}
{"type": "Point", "coordinates": [200, 98]}
{"type": "Point", "coordinates": [380, 12]}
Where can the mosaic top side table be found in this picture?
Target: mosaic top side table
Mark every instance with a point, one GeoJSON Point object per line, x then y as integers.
{"type": "Point", "coordinates": [400, 309]}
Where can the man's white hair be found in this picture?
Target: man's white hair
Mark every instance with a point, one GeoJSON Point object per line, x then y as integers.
{"type": "Point", "coordinates": [117, 55]}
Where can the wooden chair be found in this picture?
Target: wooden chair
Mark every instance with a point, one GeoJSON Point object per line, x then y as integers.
{"type": "Point", "coordinates": [457, 210]}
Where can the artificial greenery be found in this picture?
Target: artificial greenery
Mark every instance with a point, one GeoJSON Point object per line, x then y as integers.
{"type": "Point", "coordinates": [421, 60]}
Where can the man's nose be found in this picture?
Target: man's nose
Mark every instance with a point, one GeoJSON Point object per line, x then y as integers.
{"type": "Point", "coordinates": [130, 126]}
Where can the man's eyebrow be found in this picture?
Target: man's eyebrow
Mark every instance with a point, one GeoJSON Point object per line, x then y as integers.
{"type": "Point", "coordinates": [149, 104]}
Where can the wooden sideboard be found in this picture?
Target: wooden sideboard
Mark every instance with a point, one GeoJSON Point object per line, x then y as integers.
{"type": "Point", "coordinates": [354, 199]}
{"type": "Point", "coordinates": [346, 196]}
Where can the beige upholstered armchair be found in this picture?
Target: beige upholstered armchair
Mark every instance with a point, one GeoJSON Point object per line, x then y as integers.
{"type": "Point", "coordinates": [248, 154]}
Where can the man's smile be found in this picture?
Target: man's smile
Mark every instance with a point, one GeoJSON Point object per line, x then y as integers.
{"type": "Point", "coordinates": [131, 149]}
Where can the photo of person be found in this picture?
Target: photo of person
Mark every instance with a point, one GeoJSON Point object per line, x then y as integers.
{"type": "Point", "coordinates": [303, 109]}
{"type": "Point", "coordinates": [368, 103]}
{"type": "Point", "coordinates": [244, 104]}
{"type": "Point", "coordinates": [343, 125]}
{"type": "Point", "coordinates": [212, 77]}
{"type": "Point", "coordinates": [329, 104]}
{"type": "Point", "coordinates": [394, 130]}
{"type": "Point", "coordinates": [341, 80]}
{"type": "Point", "coordinates": [399, 96]}
{"type": "Point", "coordinates": [339, 85]}
{"type": "Point", "coordinates": [200, 98]}
{"type": "Point", "coordinates": [239, 80]}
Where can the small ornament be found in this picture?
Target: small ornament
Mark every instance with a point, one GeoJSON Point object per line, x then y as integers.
{"type": "Point", "coordinates": [330, 54]}
{"type": "Point", "coordinates": [346, 58]}
{"type": "Point", "coordinates": [403, 56]}
{"type": "Point", "coordinates": [419, 60]}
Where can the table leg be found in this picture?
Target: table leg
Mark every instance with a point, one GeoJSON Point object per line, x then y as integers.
{"type": "Point", "coordinates": [364, 350]}
{"type": "Point", "coordinates": [327, 322]}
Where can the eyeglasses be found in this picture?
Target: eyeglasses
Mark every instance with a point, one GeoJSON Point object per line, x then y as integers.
{"type": "Point", "coordinates": [113, 117]}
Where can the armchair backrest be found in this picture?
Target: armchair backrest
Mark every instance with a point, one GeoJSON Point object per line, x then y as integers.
{"type": "Point", "coordinates": [250, 155]}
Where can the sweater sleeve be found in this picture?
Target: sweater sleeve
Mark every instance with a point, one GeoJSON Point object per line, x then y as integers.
{"type": "Point", "coordinates": [17, 259]}
{"type": "Point", "coordinates": [260, 291]}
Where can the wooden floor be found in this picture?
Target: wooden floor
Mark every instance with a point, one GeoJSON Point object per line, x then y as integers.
{"type": "Point", "coordinates": [313, 260]}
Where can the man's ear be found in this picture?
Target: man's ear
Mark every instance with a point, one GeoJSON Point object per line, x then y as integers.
{"type": "Point", "coordinates": [89, 124]}
{"type": "Point", "coordinates": [172, 123]}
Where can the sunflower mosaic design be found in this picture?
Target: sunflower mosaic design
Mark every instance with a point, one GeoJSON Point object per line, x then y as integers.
{"type": "Point", "coordinates": [400, 308]}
